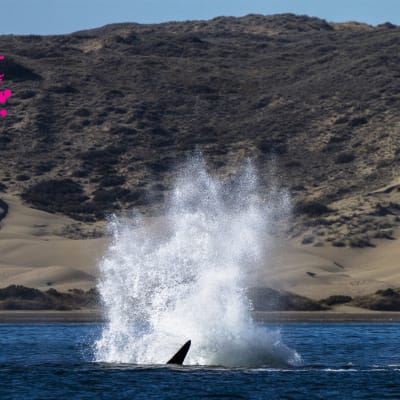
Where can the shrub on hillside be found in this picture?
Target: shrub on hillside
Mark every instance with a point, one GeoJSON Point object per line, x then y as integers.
{"type": "Point", "coordinates": [44, 166]}
{"type": "Point", "coordinates": [275, 147]}
{"type": "Point", "coordinates": [63, 195]}
{"type": "Point", "coordinates": [344, 158]}
{"type": "Point", "coordinates": [382, 300]}
{"type": "Point", "coordinates": [22, 177]}
{"type": "Point", "coordinates": [335, 299]}
{"type": "Point", "coordinates": [112, 180]}
{"type": "Point", "coordinates": [312, 208]}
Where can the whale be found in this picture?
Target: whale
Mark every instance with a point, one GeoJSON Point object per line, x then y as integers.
{"type": "Point", "coordinates": [180, 355]}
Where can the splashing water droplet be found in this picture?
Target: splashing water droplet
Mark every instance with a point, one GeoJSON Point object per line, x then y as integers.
{"type": "Point", "coordinates": [184, 279]}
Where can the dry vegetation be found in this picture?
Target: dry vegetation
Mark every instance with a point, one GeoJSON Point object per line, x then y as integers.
{"type": "Point", "coordinates": [381, 300]}
{"type": "Point", "coordinates": [17, 297]}
{"type": "Point", "coordinates": [99, 119]}
{"type": "Point", "coordinates": [266, 299]}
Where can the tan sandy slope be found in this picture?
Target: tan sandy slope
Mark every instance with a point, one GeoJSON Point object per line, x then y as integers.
{"type": "Point", "coordinates": [319, 272]}
{"type": "Point", "coordinates": [34, 253]}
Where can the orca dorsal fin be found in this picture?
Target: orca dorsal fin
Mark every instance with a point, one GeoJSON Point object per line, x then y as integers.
{"type": "Point", "coordinates": [179, 357]}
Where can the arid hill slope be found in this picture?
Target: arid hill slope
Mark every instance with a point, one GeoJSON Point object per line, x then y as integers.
{"type": "Point", "coordinates": [100, 118]}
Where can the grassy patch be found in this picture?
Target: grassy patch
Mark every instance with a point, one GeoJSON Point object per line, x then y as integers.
{"type": "Point", "coordinates": [312, 208]}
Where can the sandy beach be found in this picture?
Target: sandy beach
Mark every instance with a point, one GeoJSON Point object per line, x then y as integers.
{"type": "Point", "coordinates": [94, 316]}
{"type": "Point", "coordinates": [12, 317]}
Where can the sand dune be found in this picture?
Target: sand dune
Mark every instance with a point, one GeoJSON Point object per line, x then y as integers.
{"type": "Point", "coordinates": [33, 252]}
{"type": "Point", "coordinates": [318, 272]}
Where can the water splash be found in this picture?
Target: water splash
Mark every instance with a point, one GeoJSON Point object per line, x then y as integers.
{"type": "Point", "coordinates": [185, 279]}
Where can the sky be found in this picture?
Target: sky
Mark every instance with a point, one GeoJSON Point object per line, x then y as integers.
{"type": "Point", "coordinates": [64, 16]}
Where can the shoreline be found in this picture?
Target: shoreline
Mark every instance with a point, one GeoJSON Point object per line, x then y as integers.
{"type": "Point", "coordinates": [95, 316]}
{"type": "Point", "coordinates": [326, 317]}
{"type": "Point", "coordinates": [49, 316]}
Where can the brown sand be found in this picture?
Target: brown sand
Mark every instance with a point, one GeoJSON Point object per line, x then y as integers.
{"type": "Point", "coordinates": [33, 253]}
{"type": "Point", "coordinates": [318, 272]}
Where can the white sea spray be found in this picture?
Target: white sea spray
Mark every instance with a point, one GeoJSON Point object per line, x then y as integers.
{"type": "Point", "coordinates": [186, 279]}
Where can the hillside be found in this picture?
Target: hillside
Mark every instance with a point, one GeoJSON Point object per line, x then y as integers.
{"type": "Point", "coordinates": [99, 119]}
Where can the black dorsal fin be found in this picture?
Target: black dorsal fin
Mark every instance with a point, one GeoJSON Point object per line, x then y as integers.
{"type": "Point", "coordinates": [179, 357]}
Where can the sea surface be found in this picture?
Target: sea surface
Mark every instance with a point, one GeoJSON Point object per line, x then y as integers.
{"type": "Point", "coordinates": [340, 361]}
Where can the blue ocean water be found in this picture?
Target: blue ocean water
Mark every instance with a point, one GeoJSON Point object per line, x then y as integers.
{"type": "Point", "coordinates": [340, 361]}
